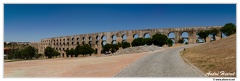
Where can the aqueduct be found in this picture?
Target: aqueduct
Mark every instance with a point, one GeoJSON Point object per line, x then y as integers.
{"type": "Point", "coordinates": [96, 40]}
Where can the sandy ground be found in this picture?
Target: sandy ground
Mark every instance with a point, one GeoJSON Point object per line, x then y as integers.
{"type": "Point", "coordinates": [92, 66]}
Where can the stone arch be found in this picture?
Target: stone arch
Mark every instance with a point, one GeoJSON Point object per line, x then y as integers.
{"type": "Point", "coordinates": [171, 35]}
{"type": "Point", "coordinates": [199, 39]}
{"type": "Point", "coordinates": [124, 38]}
{"type": "Point", "coordinates": [114, 37]}
{"type": "Point", "coordinates": [185, 37]}
{"type": "Point", "coordinates": [135, 36]}
{"type": "Point", "coordinates": [114, 42]}
{"type": "Point", "coordinates": [97, 38]}
{"type": "Point", "coordinates": [103, 38]}
{"type": "Point", "coordinates": [146, 35]}
{"type": "Point", "coordinates": [90, 40]}
{"type": "Point", "coordinates": [83, 40]}
{"type": "Point", "coordinates": [72, 38]}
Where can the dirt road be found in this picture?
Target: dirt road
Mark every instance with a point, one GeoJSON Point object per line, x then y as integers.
{"type": "Point", "coordinates": [105, 66]}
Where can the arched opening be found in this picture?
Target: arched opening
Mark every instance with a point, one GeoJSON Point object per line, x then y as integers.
{"type": "Point", "coordinates": [147, 35]}
{"type": "Point", "coordinates": [72, 43]}
{"type": "Point", "coordinates": [199, 39]}
{"type": "Point", "coordinates": [84, 39]}
{"type": "Point", "coordinates": [90, 40]}
{"type": "Point", "coordinates": [97, 37]}
{"type": "Point", "coordinates": [104, 43]}
{"type": "Point", "coordinates": [124, 38]}
{"type": "Point", "coordinates": [114, 37]}
{"type": "Point", "coordinates": [223, 35]}
{"type": "Point", "coordinates": [185, 38]}
{"type": "Point", "coordinates": [78, 39]}
{"type": "Point", "coordinates": [67, 43]}
{"type": "Point", "coordinates": [135, 36]}
{"type": "Point", "coordinates": [73, 39]}
{"type": "Point", "coordinates": [114, 42]}
{"type": "Point", "coordinates": [171, 36]}
{"type": "Point", "coordinates": [103, 40]}
{"type": "Point", "coordinates": [97, 42]}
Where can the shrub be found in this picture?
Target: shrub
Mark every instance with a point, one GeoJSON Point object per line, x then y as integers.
{"type": "Point", "coordinates": [169, 42]}
{"type": "Point", "coordinates": [125, 45]}
{"type": "Point", "coordinates": [159, 39]}
{"type": "Point", "coordinates": [228, 29]}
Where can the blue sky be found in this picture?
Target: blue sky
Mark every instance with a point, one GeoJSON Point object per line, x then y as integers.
{"type": "Point", "coordinates": [31, 22]}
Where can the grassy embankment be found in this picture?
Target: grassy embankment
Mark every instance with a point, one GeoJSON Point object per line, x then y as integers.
{"type": "Point", "coordinates": [216, 56]}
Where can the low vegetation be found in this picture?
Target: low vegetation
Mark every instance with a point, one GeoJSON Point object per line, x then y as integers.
{"type": "Point", "coordinates": [27, 52]}
{"type": "Point", "coordinates": [215, 56]}
{"type": "Point", "coordinates": [80, 50]}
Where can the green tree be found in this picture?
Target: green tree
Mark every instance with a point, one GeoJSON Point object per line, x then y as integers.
{"type": "Point", "coordinates": [71, 52]}
{"type": "Point", "coordinates": [228, 29]}
{"type": "Point", "coordinates": [214, 32]}
{"type": "Point", "coordinates": [125, 45]}
{"type": "Point", "coordinates": [169, 42]}
{"type": "Point", "coordinates": [148, 41]}
{"type": "Point", "coordinates": [49, 52]}
{"type": "Point", "coordinates": [77, 50]}
{"type": "Point", "coordinates": [55, 53]}
{"type": "Point", "coordinates": [107, 47]}
{"type": "Point", "coordinates": [159, 39]}
{"type": "Point", "coordinates": [203, 34]}
{"type": "Point", "coordinates": [114, 48]}
{"type": "Point", "coordinates": [86, 49]}
{"type": "Point", "coordinates": [30, 52]}
{"type": "Point", "coordinates": [67, 52]}
{"type": "Point", "coordinates": [119, 44]}
{"type": "Point", "coordinates": [138, 42]}
{"type": "Point", "coordinates": [38, 55]}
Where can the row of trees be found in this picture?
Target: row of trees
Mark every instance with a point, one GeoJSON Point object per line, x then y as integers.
{"type": "Point", "coordinates": [157, 39]}
{"type": "Point", "coordinates": [228, 29]}
{"type": "Point", "coordinates": [28, 52]}
{"type": "Point", "coordinates": [83, 50]}
{"type": "Point", "coordinates": [114, 47]}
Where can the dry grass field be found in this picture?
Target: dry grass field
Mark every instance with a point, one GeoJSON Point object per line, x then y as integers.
{"type": "Point", "coordinates": [218, 56]}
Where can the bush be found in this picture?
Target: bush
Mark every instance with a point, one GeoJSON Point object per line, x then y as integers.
{"type": "Point", "coordinates": [50, 52]}
{"type": "Point", "coordinates": [138, 42]}
{"type": "Point", "coordinates": [169, 42]}
{"type": "Point", "coordinates": [159, 39]}
{"type": "Point", "coordinates": [27, 52]}
{"type": "Point", "coordinates": [107, 47]}
{"type": "Point", "coordinates": [125, 45]}
{"type": "Point", "coordinates": [86, 49]}
{"type": "Point", "coordinates": [38, 56]}
{"type": "Point", "coordinates": [228, 29]}
{"type": "Point", "coordinates": [203, 34]}
{"type": "Point", "coordinates": [148, 41]}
